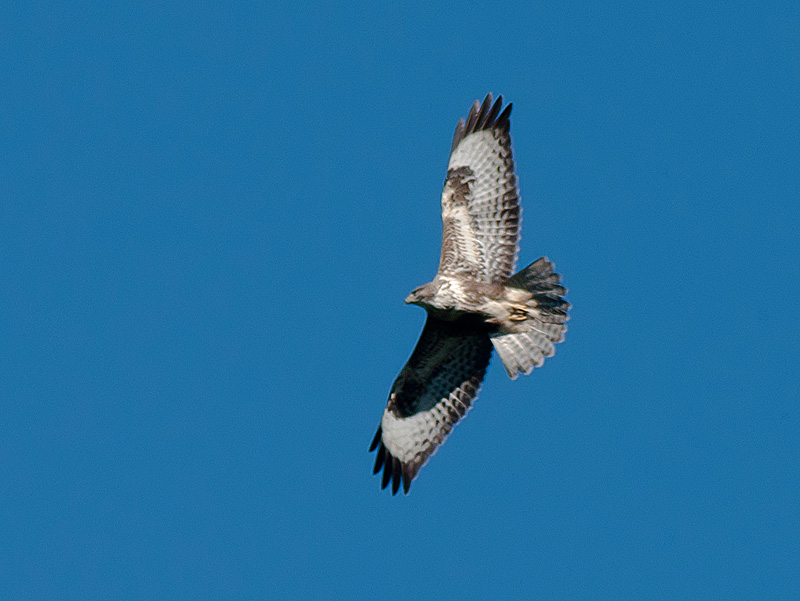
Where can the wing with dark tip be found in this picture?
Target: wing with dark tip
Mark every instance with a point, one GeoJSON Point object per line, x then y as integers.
{"type": "Point", "coordinates": [432, 393]}
{"type": "Point", "coordinates": [480, 202]}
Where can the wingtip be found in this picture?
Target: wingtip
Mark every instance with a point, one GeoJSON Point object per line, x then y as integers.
{"type": "Point", "coordinates": [504, 119]}
{"type": "Point", "coordinates": [481, 116]}
{"type": "Point", "coordinates": [406, 482]}
{"type": "Point", "coordinates": [376, 440]}
{"type": "Point", "coordinates": [483, 112]}
{"type": "Point", "coordinates": [387, 471]}
{"type": "Point", "coordinates": [472, 117]}
{"type": "Point", "coordinates": [458, 134]}
{"type": "Point", "coordinates": [394, 471]}
{"type": "Point", "coordinates": [379, 459]}
{"type": "Point", "coordinates": [397, 475]}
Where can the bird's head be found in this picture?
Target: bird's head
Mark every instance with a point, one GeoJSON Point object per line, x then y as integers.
{"type": "Point", "coordinates": [420, 296]}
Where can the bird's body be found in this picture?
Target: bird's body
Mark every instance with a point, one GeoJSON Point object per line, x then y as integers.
{"type": "Point", "coordinates": [500, 307]}
{"type": "Point", "coordinates": [474, 303]}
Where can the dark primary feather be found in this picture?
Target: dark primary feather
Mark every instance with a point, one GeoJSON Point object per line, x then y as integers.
{"type": "Point", "coordinates": [483, 116]}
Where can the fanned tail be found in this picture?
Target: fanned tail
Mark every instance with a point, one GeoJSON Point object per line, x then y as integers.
{"type": "Point", "coordinates": [545, 324]}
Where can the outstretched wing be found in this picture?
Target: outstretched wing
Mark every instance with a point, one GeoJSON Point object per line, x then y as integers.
{"type": "Point", "coordinates": [432, 393]}
{"type": "Point", "coordinates": [480, 202]}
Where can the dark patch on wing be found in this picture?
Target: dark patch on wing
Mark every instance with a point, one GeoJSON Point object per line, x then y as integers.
{"type": "Point", "coordinates": [459, 180]}
{"type": "Point", "coordinates": [435, 368]}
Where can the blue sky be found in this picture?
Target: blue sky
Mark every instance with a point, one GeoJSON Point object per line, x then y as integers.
{"type": "Point", "coordinates": [210, 217]}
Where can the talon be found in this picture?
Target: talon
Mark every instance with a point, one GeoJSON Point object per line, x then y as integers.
{"type": "Point", "coordinates": [518, 313]}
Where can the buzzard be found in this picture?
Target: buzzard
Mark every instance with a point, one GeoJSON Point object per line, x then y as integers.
{"type": "Point", "coordinates": [474, 303]}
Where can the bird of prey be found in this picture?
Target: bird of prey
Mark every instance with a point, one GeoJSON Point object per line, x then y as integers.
{"type": "Point", "coordinates": [474, 303]}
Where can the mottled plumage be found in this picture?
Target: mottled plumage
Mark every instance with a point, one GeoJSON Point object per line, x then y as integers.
{"type": "Point", "coordinates": [474, 303]}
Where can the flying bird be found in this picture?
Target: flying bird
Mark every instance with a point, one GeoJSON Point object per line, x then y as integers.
{"type": "Point", "coordinates": [474, 304]}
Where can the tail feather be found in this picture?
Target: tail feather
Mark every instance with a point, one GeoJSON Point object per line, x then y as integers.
{"type": "Point", "coordinates": [522, 352]}
{"type": "Point", "coordinates": [538, 276]}
{"type": "Point", "coordinates": [546, 322]}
